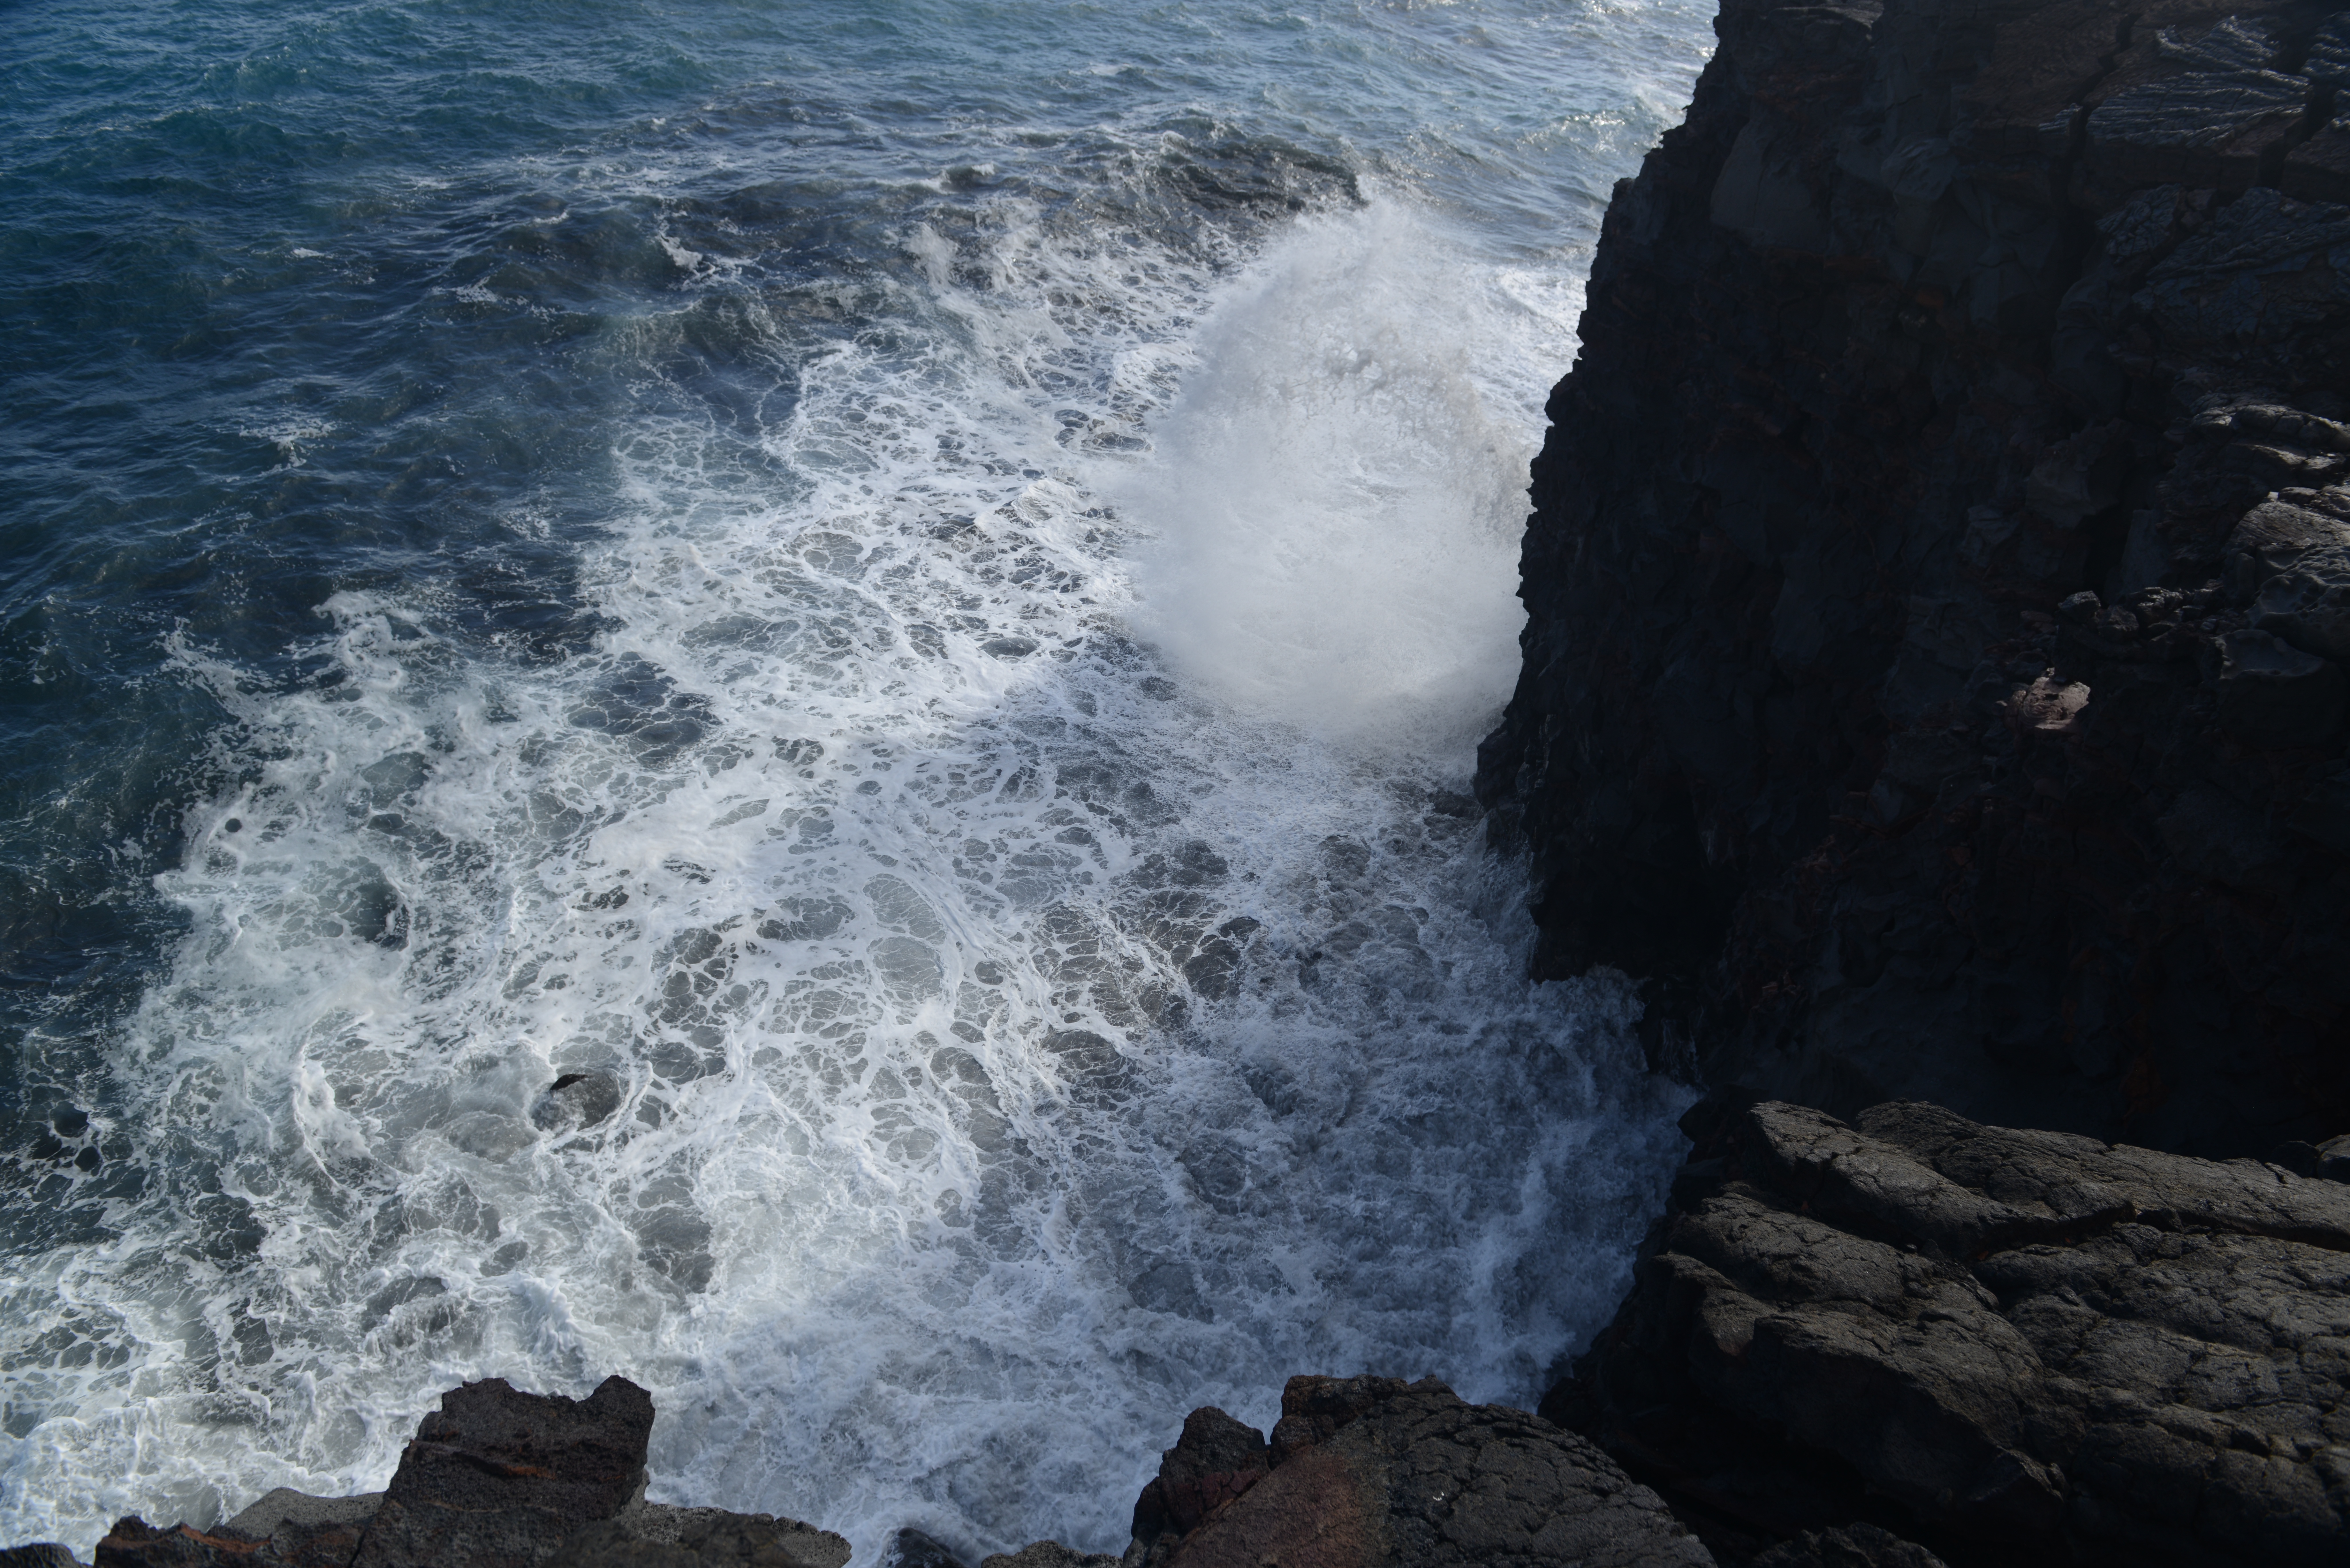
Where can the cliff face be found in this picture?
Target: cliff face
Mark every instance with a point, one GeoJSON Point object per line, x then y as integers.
{"type": "Point", "coordinates": [1941, 564]}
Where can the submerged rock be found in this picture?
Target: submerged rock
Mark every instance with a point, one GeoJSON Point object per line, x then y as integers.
{"type": "Point", "coordinates": [912, 1548]}
{"type": "Point", "coordinates": [578, 1100]}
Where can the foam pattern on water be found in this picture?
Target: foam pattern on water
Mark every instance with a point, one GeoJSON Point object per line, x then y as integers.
{"type": "Point", "coordinates": [998, 889]}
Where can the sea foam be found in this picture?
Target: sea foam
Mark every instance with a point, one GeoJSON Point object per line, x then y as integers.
{"type": "Point", "coordinates": [1003, 862]}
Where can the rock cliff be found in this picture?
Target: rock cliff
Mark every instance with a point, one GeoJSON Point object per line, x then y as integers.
{"type": "Point", "coordinates": [1939, 576]}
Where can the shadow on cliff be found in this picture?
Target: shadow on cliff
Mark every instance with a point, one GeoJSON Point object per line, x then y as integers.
{"type": "Point", "coordinates": [1940, 573]}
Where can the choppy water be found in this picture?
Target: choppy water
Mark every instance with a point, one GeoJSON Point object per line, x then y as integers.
{"type": "Point", "coordinates": [909, 589]}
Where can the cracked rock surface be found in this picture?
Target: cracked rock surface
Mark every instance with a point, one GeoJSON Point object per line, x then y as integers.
{"type": "Point", "coordinates": [2014, 1346]}
{"type": "Point", "coordinates": [1934, 678]}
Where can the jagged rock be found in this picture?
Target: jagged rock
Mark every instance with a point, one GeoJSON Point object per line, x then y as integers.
{"type": "Point", "coordinates": [1215, 1460]}
{"type": "Point", "coordinates": [2197, 106]}
{"type": "Point", "coordinates": [494, 1478]}
{"type": "Point", "coordinates": [497, 1477]}
{"type": "Point", "coordinates": [1934, 316]}
{"type": "Point", "coordinates": [1365, 1471]}
{"type": "Point", "coordinates": [2064, 1349]}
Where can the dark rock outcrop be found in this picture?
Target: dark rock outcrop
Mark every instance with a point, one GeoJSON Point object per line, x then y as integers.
{"type": "Point", "coordinates": [498, 1478]}
{"type": "Point", "coordinates": [1365, 1470]}
{"type": "Point", "coordinates": [1360, 1471]}
{"type": "Point", "coordinates": [1939, 579]}
{"type": "Point", "coordinates": [494, 1478]}
{"type": "Point", "coordinates": [2016, 1347]}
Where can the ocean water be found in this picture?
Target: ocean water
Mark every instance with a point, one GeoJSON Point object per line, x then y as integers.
{"type": "Point", "coordinates": [898, 595]}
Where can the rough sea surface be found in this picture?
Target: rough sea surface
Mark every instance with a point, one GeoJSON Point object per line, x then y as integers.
{"type": "Point", "coordinates": [908, 591]}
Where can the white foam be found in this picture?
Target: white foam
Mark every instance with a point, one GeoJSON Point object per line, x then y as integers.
{"type": "Point", "coordinates": [1020, 1039]}
{"type": "Point", "coordinates": [1340, 501]}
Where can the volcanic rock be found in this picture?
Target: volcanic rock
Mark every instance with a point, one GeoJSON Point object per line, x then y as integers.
{"type": "Point", "coordinates": [2030, 1346]}
{"type": "Point", "coordinates": [1849, 1546]}
{"type": "Point", "coordinates": [649, 1535]}
{"type": "Point", "coordinates": [498, 1478]}
{"type": "Point", "coordinates": [494, 1478]}
{"type": "Point", "coordinates": [1365, 1470]}
{"type": "Point", "coordinates": [911, 1548]}
{"type": "Point", "coordinates": [39, 1555]}
{"type": "Point", "coordinates": [1934, 317]}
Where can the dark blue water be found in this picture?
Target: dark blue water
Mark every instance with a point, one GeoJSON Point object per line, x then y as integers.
{"type": "Point", "coordinates": [909, 587]}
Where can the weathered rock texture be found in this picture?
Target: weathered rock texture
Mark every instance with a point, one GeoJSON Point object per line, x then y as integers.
{"type": "Point", "coordinates": [1365, 1470]}
{"type": "Point", "coordinates": [2017, 1347]}
{"type": "Point", "coordinates": [494, 1478]}
{"type": "Point", "coordinates": [1360, 1471]}
{"type": "Point", "coordinates": [1939, 578]}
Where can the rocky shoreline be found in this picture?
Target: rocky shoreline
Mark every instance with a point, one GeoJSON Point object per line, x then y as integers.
{"type": "Point", "coordinates": [1910, 1342]}
{"type": "Point", "coordinates": [1940, 594]}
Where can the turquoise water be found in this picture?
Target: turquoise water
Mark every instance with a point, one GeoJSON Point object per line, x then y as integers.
{"type": "Point", "coordinates": [911, 590]}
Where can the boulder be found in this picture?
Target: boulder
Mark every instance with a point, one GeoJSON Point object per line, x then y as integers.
{"type": "Point", "coordinates": [577, 1100]}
